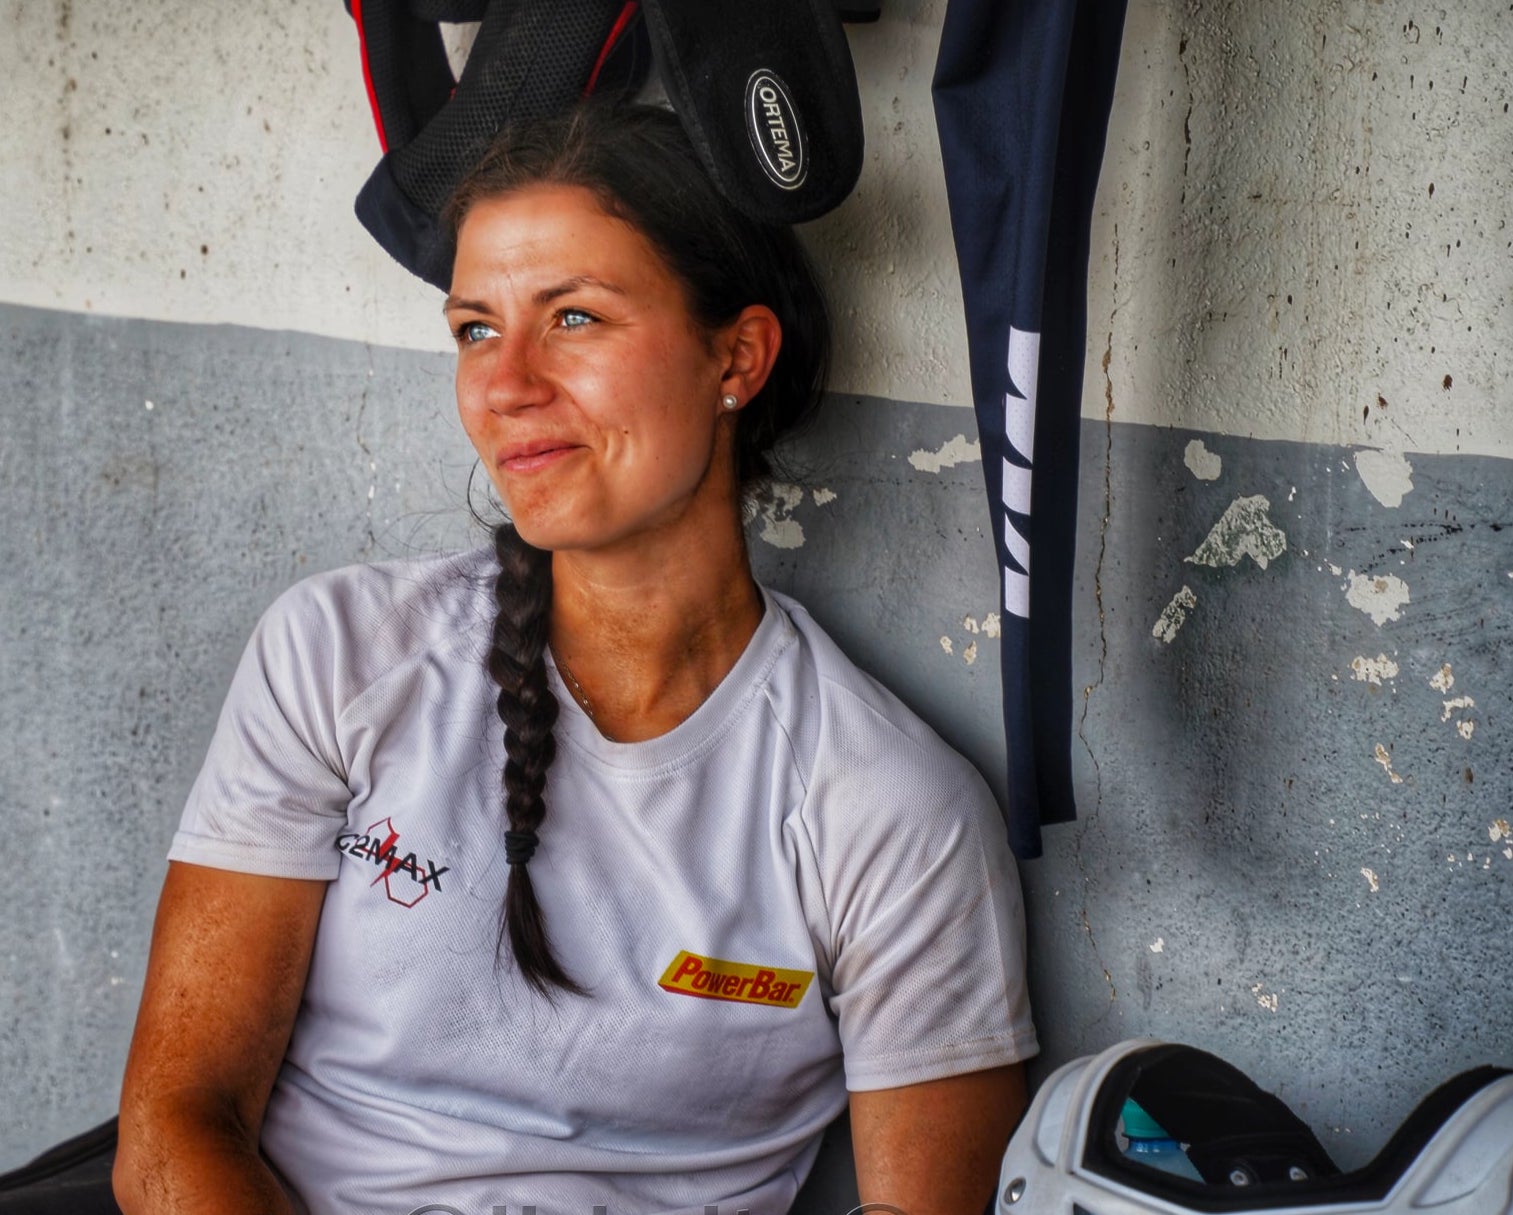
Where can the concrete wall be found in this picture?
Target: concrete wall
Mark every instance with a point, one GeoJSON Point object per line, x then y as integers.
{"type": "Point", "coordinates": [1295, 594]}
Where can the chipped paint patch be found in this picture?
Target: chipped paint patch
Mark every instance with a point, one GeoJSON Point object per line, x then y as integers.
{"type": "Point", "coordinates": [1267, 1000]}
{"type": "Point", "coordinates": [1443, 679]}
{"type": "Point", "coordinates": [1386, 474]}
{"type": "Point", "coordinates": [1499, 830]}
{"type": "Point", "coordinates": [945, 644]}
{"type": "Point", "coordinates": [1371, 879]}
{"type": "Point", "coordinates": [1201, 462]}
{"type": "Point", "coordinates": [1158, 945]}
{"type": "Point", "coordinates": [824, 497]}
{"type": "Point", "coordinates": [776, 506]}
{"type": "Point", "coordinates": [1380, 596]}
{"type": "Point", "coordinates": [970, 624]}
{"type": "Point", "coordinates": [1465, 729]}
{"type": "Point", "coordinates": [969, 655]}
{"type": "Point", "coordinates": [957, 451]}
{"type": "Point", "coordinates": [1174, 615]}
{"type": "Point", "coordinates": [1385, 759]}
{"type": "Point", "coordinates": [990, 625]}
{"type": "Point", "coordinates": [1451, 706]}
{"type": "Point", "coordinates": [1373, 670]}
{"type": "Point", "coordinates": [1244, 530]}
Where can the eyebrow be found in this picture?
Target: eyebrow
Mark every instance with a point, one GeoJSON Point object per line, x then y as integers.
{"type": "Point", "coordinates": [544, 296]}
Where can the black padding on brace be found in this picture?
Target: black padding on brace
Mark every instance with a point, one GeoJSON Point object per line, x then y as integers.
{"type": "Point", "coordinates": [529, 58]}
{"type": "Point", "coordinates": [767, 94]}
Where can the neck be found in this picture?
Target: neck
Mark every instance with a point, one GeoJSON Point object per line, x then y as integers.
{"type": "Point", "coordinates": [648, 635]}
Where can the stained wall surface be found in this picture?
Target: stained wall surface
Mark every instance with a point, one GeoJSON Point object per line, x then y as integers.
{"type": "Point", "coordinates": [1295, 588]}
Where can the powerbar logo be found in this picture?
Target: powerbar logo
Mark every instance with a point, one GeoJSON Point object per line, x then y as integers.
{"type": "Point", "coordinates": [772, 122]}
{"type": "Point", "coordinates": [717, 979]}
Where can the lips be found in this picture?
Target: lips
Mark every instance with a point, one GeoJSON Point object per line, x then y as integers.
{"type": "Point", "coordinates": [535, 454]}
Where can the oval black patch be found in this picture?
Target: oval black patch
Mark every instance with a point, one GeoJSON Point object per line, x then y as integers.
{"type": "Point", "coordinates": [777, 136]}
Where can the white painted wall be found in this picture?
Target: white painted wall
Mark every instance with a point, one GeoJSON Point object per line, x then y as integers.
{"type": "Point", "coordinates": [1305, 224]}
{"type": "Point", "coordinates": [205, 159]}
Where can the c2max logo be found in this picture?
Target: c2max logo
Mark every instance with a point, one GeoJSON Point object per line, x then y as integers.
{"type": "Point", "coordinates": [1019, 430]}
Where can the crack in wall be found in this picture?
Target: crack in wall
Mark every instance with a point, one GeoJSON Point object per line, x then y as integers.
{"type": "Point", "coordinates": [370, 540]}
{"type": "Point", "coordinates": [1187, 119]}
{"type": "Point", "coordinates": [1087, 693]}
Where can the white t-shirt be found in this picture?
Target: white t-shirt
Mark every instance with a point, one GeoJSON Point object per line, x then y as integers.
{"type": "Point", "coordinates": [797, 891]}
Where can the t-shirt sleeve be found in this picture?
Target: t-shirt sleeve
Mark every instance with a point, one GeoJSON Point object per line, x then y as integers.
{"type": "Point", "coordinates": [927, 964]}
{"type": "Point", "coordinates": [272, 795]}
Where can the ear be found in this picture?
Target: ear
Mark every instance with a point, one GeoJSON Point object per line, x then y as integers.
{"type": "Point", "coordinates": [751, 343]}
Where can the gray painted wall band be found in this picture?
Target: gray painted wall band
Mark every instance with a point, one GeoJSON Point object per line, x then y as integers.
{"type": "Point", "coordinates": [1216, 890]}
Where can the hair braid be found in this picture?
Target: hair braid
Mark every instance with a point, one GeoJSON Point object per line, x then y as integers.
{"type": "Point", "coordinates": [517, 661]}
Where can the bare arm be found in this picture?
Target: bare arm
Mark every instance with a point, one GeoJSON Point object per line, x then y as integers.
{"type": "Point", "coordinates": [230, 952]}
{"type": "Point", "coordinates": [935, 1148]}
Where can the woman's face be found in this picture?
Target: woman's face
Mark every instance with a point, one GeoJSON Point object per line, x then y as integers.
{"type": "Point", "coordinates": [590, 394]}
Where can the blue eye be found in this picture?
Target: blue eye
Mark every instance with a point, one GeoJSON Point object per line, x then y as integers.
{"type": "Point", "coordinates": [574, 318]}
{"type": "Point", "coordinates": [472, 331]}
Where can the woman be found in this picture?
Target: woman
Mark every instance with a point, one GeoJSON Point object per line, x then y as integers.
{"type": "Point", "coordinates": [703, 797]}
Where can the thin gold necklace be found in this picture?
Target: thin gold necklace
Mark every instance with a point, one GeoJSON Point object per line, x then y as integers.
{"type": "Point", "coordinates": [579, 694]}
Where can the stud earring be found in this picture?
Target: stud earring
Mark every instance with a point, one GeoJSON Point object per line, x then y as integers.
{"type": "Point", "coordinates": [730, 401]}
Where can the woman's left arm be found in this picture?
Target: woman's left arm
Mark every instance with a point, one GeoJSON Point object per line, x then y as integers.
{"type": "Point", "coordinates": [935, 1148]}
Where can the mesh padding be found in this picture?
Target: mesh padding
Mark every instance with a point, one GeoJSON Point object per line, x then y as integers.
{"type": "Point", "coordinates": [528, 60]}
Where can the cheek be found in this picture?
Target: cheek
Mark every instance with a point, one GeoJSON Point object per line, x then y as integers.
{"type": "Point", "coordinates": [470, 410]}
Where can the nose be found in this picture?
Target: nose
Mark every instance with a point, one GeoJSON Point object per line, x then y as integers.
{"type": "Point", "coordinates": [516, 378]}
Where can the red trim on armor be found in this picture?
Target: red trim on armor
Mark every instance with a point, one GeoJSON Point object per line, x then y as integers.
{"type": "Point", "coordinates": [367, 75]}
{"type": "Point", "coordinates": [627, 14]}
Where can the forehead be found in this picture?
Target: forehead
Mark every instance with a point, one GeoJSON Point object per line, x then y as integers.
{"type": "Point", "coordinates": [553, 230]}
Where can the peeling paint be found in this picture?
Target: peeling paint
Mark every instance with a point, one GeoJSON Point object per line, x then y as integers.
{"type": "Point", "coordinates": [1443, 679]}
{"type": "Point", "coordinates": [970, 624]}
{"type": "Point", "coordinates": [1380, 596]}
{"type": "Point", "coordinates": [1371, 879]}
{"type": "Point", "coordinates": [1174, 615]}
{"type": "Point", "coordinates": [945, 644]}
{"type": "Point", "coordinates": [1460, 702]}
{"type": "Point", "coordinates": [824, 497]}
{"type": "Point", "coordinates": [1202, 463]}
{"type": "Point", "coordinates": [1386, 474]}
{"type": "Point", "coordinates": [990, 625]}
{"type": "Point", "coordinates": [1158, 945]}
{"type": "Point", "coordinates": [959, 450]}
{"type": "Point", "coordinates": [1267, 1000]}
{"type": "Point", "coordinates": [969, 655]}
{"type": "Point", "coordinates": [1465, 728]}
{"type": "Point", "coordinates": [1499, 830]}
{"type": "Point", "coordinates": [776, 507]}
{"type": "Point", "coordinates": [1385, 759]}
{"type": "Point", "coordinates": [1373, 670]}
{"type": "Point", "coordinates": [1244, 530]}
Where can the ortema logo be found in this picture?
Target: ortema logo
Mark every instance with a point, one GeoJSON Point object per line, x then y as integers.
{"type": "Point", "coordinates": [717, 979]}
{"type": "Point", "coordinates": [406, 878]}
{"type": "Point", "coordinates": [772, 121]}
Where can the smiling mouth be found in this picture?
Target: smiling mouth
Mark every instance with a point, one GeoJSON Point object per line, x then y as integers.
{"type": "Point", "coordinates": [528, 457]}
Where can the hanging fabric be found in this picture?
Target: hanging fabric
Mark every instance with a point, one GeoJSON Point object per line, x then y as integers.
{"type": "Point", "coordinates": [1022, 93]}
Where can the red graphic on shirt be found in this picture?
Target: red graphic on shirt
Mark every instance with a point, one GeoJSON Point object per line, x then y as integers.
{"type": "Point", "coordinates": [406, 879]}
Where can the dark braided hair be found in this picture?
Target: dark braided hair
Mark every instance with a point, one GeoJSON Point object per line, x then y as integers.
{"type": "Point", "coordinates": [639, 165]}
{"type": "Point", "coordinates": [517, 661]}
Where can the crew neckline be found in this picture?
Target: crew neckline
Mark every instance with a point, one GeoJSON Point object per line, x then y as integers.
{"type": "Point", "coordinates": [704, 726]}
